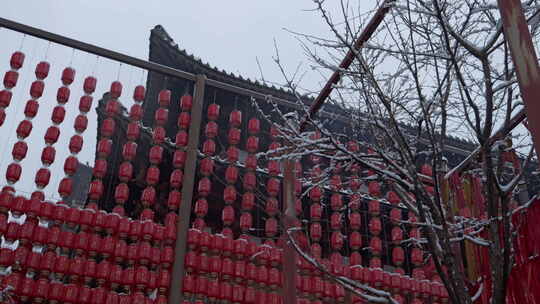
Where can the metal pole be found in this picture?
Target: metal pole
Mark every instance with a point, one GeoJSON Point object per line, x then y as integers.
{"type": "Point", "coordinates": [288, 219]}
{"type": "Point", "coordinates": [184, 212]}
{"type": "Point", "coordinates": [518, 36]}
{"type": "Point", "coordinates": [366, 34]}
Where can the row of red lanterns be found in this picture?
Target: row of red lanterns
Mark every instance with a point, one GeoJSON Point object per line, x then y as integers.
{"type": "Point", "coordinates": [176, 178]}
{"type": "Point", "coordinates": [106, 132]}
{"type": "Point", "coordinates": [89, 219]}
{"type": "Point", "coordinates": [10, 81]}
{"type": "Point", "coordinates": [224, 290]}
{"type": "Point", "coordinates": [41, 290]}
{"type": "Point", "coordinates": [14, 170]}
{"type": "Point", "coordinates": [43, 175]}
{"type": "Point", "coordinates": [84, 244]}
{"type": "Point", "coordinates": [71, 163]}
{"type": "Point", "coordinates": [125, 171]}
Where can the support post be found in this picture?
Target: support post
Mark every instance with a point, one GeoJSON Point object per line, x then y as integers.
{"type": "Point", "coordinates": [288, 219]}
{"type": "Point", "coordinates": [182, 226]}
{"type": "Point", "coordinates": [518, 36]}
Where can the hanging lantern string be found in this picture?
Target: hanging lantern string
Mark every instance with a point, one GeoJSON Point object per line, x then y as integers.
{"type": "Point", "coordinates": [22, 42]}
{"type": "Point", "coordinates": [72, 57]}
{"type": "Point", "coordinates": [142, 76]}
{"type": "Point", "coordinates": [119, 69]}
{"type": "Point", "coordinates": [47, 50]}
{"type": "Point", "coordinates": [94, 69]}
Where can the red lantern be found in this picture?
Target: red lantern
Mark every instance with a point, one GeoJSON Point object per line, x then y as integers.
{"type": "Point", "coordinates": [19, 150]}
{"type": "Point", "coordinates": [136, 112]}
{"type": "Point", "coordinates": [85, 104]}
{"type": "Point", "coordinates": [181, 139]}
{"type": "Point", "coordinates": [184, 120]}
{"type": "Point", "coordinates": [70, 165]}
{"type": "Point", "coordinates": [254, 126]}
{"type": "Point", "coordinates": [316, 211]}
{"type": "Point", "coordinates": [104, 147]}
{"type": "Point", "coordinates": [116, 89]}
{"type": "Point", "coordinates": [156, 155]}
{"type": "Point", "coordinates": [205, 185]}
{"type": "Point", "coordinates": [213, 111]}
{"type": "Point", "coordinates": [355, 240]}
{"type": "Point", "coordinates": [315, 194]}
{"type": "Point", "coordinates": [374, 188]}
{"type": "Point", "coordinates": [17, 60]}
{"type": "Point", "coordinates": [43, 177]}
{"type": "Point", "coordinates": [271, 227]}
{"type": "Point", "coordinates": [315, 231]}
{"type": "Point", "coordinates": [248, 201]}
{"type": "Point", "coordinates": [13, 173]}
{"type": "Point", "coordinates": [376, 245]}
{"type": "Point", "coordinates": [251, 162]}
{"type": "Point", "coordinates": [65, 187]}
{"type": "Point", "coordinates": [48, 155]}
{"type": "Point", "coordinates": [375, 226]}
{"type": "Point", "coordinates": [246, 221]}
{"type": "Point", "coordinates": [393, 198]}
{"type": "Point", "coordinates": [234, 136]}
{"type": "Point", "coordinates": [201, 207]}
{"type": "Point", "coordinates": [336, 240]}
{"type": "Point", "coordinates": [397, 235]}
{"type": "Point", "coordinates": [207, 166]}
{"type": "Point", "coordinates": [250, 181]}
{"type": "Point", "coordinates": [174, 200]}
{"type": "Point", "coordinates": [62, 95]}
{"type": "Point", "coordinates": [148, 196]}
{"type": "Point", "coordinates": [273, 187]}
{"type": "Point", "coordinates": [5, 98]}
{"type": "Point", "coordinates": [95, 190]}
{"type": "Point", "coordinates": [398, 256]}
{"type": "Point", "coordinates": [152, 175]}
{"type": "Point", "coordinates": [2, 116]}
{"type": "Point", "coordinates": [228, 215]}
{"type": "Point", "coordinates": [417, 257]}
{"type": "Point", "coordinates": [10, 79]}
{"type": "Point", "coordinates": [121, 193]}
{"type": "Point", "coordinates": [107, 127]}
{"type": "Point", "coordinates": [164, 98]}
{"type": "Point", "coordinates": [235, 118]}
{"type": "Point", "coordinates": [161, 116]}
{"type": "Point", "coordinates": [252, 144]}
{"type": "Point", "coordinates": [166, 256]}
{"type": "Point", "coordinates": [42, 70]}
{"type": "Point", "coordinates": [176, 178]}
{"type": "Point", "coordinates": [335, 221]}
{"type": "Point", "coordinates": [240, 270]}
{"type": "Point", "coordinates": [211, 130]}
{"type": "Point", "coordinates": [209, 147]}
{"type": "Point", "coordinates": [395, 215]}
{"type": "Point", "coordinates": [139, 93]}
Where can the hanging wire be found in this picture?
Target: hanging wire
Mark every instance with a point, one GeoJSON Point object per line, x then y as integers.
{"type": "Point", "coordinates": [15, 108]}
{"type": "Point", "coordinates": [47, 50]}
{"type": "Point", "coordinates": [118, 74]}
{"type": "Point", "coordinates": [22, 42]}
{"type": "Point", "coordinates": [72, 57]}
{"type": "Point", "coordinates": [96, 64]}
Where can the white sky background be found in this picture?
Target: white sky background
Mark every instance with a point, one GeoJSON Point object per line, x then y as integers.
{"type": "Point", "coordinates": [227, 34]}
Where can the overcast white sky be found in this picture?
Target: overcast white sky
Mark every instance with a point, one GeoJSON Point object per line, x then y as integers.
{"type": "Point", "coordinates": [227, 34]}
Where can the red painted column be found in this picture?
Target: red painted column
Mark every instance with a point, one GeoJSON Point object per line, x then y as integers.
{"type": "Point", "coordinates": [516, 32]}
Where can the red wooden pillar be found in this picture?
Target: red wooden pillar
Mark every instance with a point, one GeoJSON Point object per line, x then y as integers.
{"type": "Point", "coordinates": [516, 32]}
